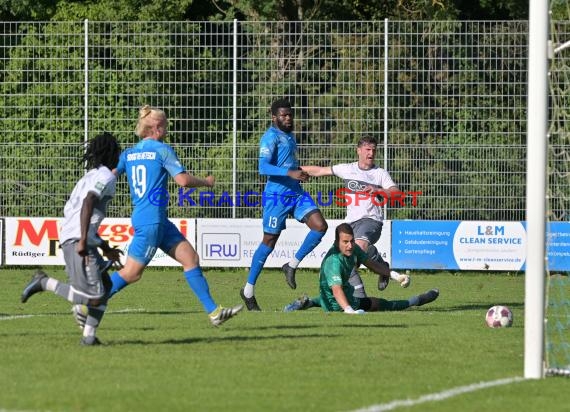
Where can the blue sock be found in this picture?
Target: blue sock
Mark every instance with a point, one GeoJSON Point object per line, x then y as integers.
{"type": "Point", "coordinates": [257, 262]}
{"type": "Point", "coordinates": [118, 283]}
{"type": "Point", "coordinates": [311, 241]}
{"type": "Point", "coordinates": [199, 286]}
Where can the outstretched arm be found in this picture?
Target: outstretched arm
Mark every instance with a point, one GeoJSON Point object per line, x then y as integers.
{"type": "Point", "coordinates": [185, 179]}
{"type": "Point", "coordinates": [317, 171]}
{"type": "Point", "coordinates": [267, 169]}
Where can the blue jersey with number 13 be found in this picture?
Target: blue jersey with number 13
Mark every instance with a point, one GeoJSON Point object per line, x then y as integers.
{"type": "Point", "coordinates": [278, 155]}
{"type": "Point", "coordinates": [148, 166]}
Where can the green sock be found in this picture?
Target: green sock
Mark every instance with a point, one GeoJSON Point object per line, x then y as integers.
{"type": "Point", "coordinates": [392, 305]}
{"type": "Point", "coordinates": [316, 302]}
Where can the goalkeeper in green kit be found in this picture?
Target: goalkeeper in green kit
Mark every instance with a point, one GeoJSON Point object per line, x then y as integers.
{"type": "Point", "coordinates": [336, 293]}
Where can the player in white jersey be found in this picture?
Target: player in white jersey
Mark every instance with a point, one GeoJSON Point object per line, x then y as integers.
{"type": "Point", "coordinates": [86, 207]}
{"type": "Point", "coordinates": [367, 188]}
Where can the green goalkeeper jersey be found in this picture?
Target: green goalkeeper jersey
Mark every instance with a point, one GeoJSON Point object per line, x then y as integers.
{"type": "Point", "coordinates": [335, 270]}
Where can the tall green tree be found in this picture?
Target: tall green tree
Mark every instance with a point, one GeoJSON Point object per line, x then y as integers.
{"type": "Point", "coordinates": [492, 9]}
{"type": "Point", "coordinates": [122, 10]}
{"type": "Point", "coordinates": [313, 10]}
{"type": "Point", "coordinates": [26, 10]}
{"type": "Point", "coordinates": [260, 10]}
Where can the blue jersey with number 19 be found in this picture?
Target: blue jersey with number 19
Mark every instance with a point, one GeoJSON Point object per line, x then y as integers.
{"type": "Point", "coordinates": [148, 165]}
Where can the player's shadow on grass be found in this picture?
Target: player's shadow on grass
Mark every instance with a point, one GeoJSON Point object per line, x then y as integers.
{"type": "Point", "coordinates": [189, 341]}
{"type": "Point", "coordinates": [376, 325]}
{"type": "Point", "coordinates": [319, 326]}
{"type": "Point", "coordinates": [151, 312]}
{"type": "Point", "coordinates": [246, 328]}
{"type": "Point", "coordinates": [473, 306]}
{"type": "Point", "coordinates": [271, 327]}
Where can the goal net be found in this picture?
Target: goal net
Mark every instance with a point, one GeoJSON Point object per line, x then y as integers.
{"type": "Point", "coordinates": [557, 345]}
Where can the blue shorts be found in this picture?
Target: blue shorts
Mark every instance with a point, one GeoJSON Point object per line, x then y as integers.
{"type": "Point", "coordinates": [148, 238]}
{"type": "Point", "coordinates": [277, 208]}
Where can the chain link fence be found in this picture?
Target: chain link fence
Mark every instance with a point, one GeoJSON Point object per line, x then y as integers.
{"type": "Point", "coordinates": [446, 100]}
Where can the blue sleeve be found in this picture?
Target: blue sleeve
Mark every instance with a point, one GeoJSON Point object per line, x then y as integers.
{"type": "Point", "coordinates": [266, 168]}
{"type": "Point", "coordinates": [121, 166]}
{"type": "Point", "coordinates": [170, 161]}
{"type": "Point", "coordinates": [267, 154]}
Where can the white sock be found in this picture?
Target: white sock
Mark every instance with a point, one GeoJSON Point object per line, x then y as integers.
{"type": "Point", "coordinates": [294, 263]}
{"type": "Point", "coordinates": [359, 291]}
{"type": "Point", "coordinates": [394, 275]}
{"type": "Point", "coordinates": [414, 300]}
{"type": "Point", "coordinates": [88, 330]}
{"type": "Point", "coordinates": [249, 290]}
{"type": "Point", "coordinates": [52, 284]}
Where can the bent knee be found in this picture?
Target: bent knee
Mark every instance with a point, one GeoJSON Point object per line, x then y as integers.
{"type": "Point", "coordinates": [322, 226]}
{"type": "Point", "coordinates": [131, 277]}
{"type": "Point", "coordinates": [189, 261]}
{"type": "Point", "coordinates": [194, 260]}
{"type": "Point", "coordinates": [95, 302]}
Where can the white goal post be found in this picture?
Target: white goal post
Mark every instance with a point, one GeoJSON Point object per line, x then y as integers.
{"type": "Point", "coordinates": [537, 127]}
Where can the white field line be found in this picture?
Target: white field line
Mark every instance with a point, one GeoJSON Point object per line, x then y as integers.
{"type": "Point", "coordinates": [14, 317]}
{"type": "Point", "coordinates": [20, 410]}
{"type": "Point", "coordinates": [439, 396]}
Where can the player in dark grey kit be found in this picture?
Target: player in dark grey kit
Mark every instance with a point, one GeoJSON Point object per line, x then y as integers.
{"type": "Point", "coordinates": [86, 207]}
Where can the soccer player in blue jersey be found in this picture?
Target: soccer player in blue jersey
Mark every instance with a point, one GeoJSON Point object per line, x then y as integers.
{"type": "Point", "coordinates": [283, 197]}
{"type": "Point", "coordinates": [148, 165]}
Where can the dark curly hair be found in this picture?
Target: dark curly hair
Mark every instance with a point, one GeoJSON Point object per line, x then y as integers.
{"type": "Point", "coordinates": [279, 104]}
{"type": "Point", "coordinates": [104, 150]}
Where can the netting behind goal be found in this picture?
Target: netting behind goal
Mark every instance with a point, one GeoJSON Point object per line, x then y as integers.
{"type": "Point", "coordinates": [558, 199]}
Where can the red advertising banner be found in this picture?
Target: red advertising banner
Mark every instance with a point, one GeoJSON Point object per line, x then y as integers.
{"type": "Point", "coordinates": [35, 241]}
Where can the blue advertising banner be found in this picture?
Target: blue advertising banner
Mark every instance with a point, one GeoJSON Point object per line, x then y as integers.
{"type": "Point", "coordinates": [558, 246]}
{"type": "Point", "coordinates": [463, 245]}
{"type": "Point", "coordinates": [423, 244]}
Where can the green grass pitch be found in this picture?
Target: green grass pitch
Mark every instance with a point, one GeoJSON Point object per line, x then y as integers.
{"type": "Point", "coordinates": [161, 353]}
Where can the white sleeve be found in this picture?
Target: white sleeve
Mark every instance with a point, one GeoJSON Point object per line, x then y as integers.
{"type": "Point", "coordinates": [103, 182]}
{"type": "Point", "coordinates": [341, 170]}
{"type": "Point", "coordinates": [385, 180]}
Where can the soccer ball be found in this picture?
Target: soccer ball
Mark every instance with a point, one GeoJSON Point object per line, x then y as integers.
{"type": "Point", "coordinates": [499, 317]}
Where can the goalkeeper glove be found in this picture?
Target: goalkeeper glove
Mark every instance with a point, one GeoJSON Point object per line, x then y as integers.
{"type": "Point", "coordinates": [351, 311]}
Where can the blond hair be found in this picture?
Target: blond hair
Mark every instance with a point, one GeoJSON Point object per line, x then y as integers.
{"type": "Point", "coordinates": [148, 118]}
